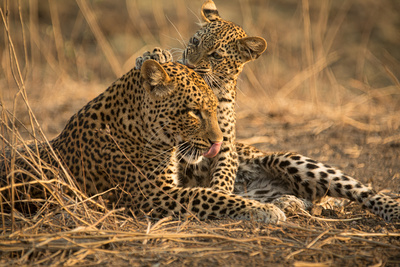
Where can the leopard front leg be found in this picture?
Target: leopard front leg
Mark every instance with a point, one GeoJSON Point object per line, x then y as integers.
{"type": "Point", "coordinates": [160, 197]}
{"type": "Point", "coordinates": [217, 173]}
{"type": "Point", "coordinates": [205, 203]}
{"type": "Point", "coordinates": [224, 168]}
{"type": "Point", "coordinates": [225, 165]}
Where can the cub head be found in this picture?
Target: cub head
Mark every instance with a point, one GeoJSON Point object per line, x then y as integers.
{"type": "Point", "coordinates": [181, 110]}
{"type": "Point", "coordinates": [219, 50]}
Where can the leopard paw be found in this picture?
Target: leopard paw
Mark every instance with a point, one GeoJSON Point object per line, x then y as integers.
{"type": "Point", "coordinates": [158, 54]}
{"type": "Point", "coordinates": [267, 213]}
{"type": "Point", "coordinates": [291, 204]}
{"type": "Point", "coordinates": [274, 214]}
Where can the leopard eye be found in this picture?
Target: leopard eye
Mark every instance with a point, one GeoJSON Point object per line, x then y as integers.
{"type": "Point", "coordinates": [216, 55]}
{"type": "Point", "coordinates": [195, 41]}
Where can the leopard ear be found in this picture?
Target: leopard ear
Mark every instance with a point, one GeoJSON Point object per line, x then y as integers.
{"type": "Point", "coordinates": [209, 11]}
{"type": "Point", "coordinates": [251, 47]}
{"type": "Point", "coordinates": [155, 80]}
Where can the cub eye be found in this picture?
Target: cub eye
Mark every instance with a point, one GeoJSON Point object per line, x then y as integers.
{"type": "Point", "coordinates": [216, 55]}
{"type": "Point", "coordinates": [195, 41]}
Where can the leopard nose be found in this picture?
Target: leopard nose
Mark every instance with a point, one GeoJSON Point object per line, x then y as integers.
{"type": "Point", "coordinates": [215, 136]}
{"type": "Point", "coordinates": [214, 132]}
{"type": "Point", "coordinates": [188, 64]}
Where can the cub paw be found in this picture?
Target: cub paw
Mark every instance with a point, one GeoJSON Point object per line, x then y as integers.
{"type": "Point", "coordinates": [158, 54]}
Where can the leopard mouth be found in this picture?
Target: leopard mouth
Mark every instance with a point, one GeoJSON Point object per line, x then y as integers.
{"type": "Point", "coordinates": [185, 61]}
{"type": "Point", "coordinates": [213, 151]}
{"type": "Point", "coordinates": [193, 154]}
{"type": "Point", "coordinates": [190, 66]}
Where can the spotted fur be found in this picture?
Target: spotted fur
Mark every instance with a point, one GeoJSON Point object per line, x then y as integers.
{"type": "Point", "coordinates": [218, 52]}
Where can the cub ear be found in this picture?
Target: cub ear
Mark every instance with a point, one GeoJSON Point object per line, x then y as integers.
{"type": "Point", "coordinates": [155, 80]}
{"type": "Point", "coordinates": [209, 11]}
{"type": "Point", "coordinates": [251, 47]}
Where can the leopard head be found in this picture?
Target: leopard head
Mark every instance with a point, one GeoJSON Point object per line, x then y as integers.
{"type": "Point", "coordinates": [181, 110]}
{"type": "Point", "coordinates": [219, 50]}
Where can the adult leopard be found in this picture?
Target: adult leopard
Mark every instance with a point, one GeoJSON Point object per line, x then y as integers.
{"type": "Point", "coordinates": [129, 138]}
{"type": "Point", "coordinates": [218, 52]}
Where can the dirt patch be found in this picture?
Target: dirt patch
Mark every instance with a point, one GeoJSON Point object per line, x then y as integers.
{"type": "Point", "coordinates": [372, 157]}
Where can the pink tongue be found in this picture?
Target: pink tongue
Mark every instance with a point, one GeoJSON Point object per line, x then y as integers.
{"type": "Point", "coordinates": [213, 151]}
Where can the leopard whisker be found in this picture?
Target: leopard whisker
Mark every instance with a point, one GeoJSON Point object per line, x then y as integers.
{"type": "Point", "coordinates": [215, 82]}
{"type": "Point", "coordinates": [155, 135]}
{"type": "Point", "coordinates": [238, 89]}
{"type": "Point", "coordinates": [176, 29]}
{"type": "Point", "coordinates": [183, 152]}
{"type": "Point", "coordinates": [162, 166]}
{"type": "Point", "coordinates": [175, 50]}
{"type": "Point", "coordinates": [161, 153]}
{"type": "Point", "coordinates": [177, 54]}
{"type": "Point", "coordinates": [182, 148]}
{"type": "Point", "coordinates": [183, 155]}
{"type": "Point", "coordinates": [200, 22]}
{"type": "Point", "coordinates": [193, 155]}
{"type": "Point", "coordinates": [208, 79]}
{"type": "Point", "coordinates": [220, 78]}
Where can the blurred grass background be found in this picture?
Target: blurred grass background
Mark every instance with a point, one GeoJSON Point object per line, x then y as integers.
{"type": "Point", "coordinates": [338, 61]}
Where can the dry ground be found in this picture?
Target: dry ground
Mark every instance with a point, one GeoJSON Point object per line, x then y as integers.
{"type": "Point", "coordinates": [327, 87]}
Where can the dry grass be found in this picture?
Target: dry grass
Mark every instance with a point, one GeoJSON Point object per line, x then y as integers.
{"type": "Point", "coordinates": [331, 66]}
